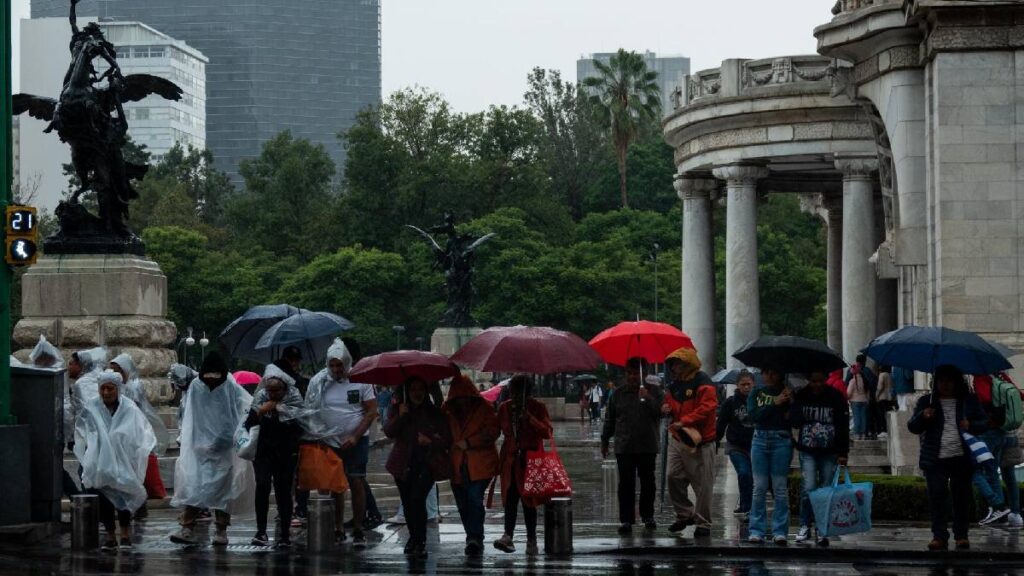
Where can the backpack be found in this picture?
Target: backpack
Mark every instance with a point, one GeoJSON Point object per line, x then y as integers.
{"type": "Point", "coordinates": [1006, 395]}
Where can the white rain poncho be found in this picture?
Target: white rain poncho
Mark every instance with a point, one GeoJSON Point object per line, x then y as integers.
{"type": "Point", "coordinates": [292, 406]}
{"type": "Point", "coordinates": [134, 389]}
{"type": "Point", "coordinates": [316, 428]}
{"type": "Point", "coordinates": [43, 350]}
{"type": "Point", "coordinates": [85, 388]}
{"type": "Point", "coordinates": [209, 474]}
{"type": "Point", "coordinates": [114, 449]}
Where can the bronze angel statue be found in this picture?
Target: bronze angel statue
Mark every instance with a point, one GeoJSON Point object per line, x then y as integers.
{"type": "Point", "coordinates": [89, 117]}
{"type": "Point", "coordinates": [456, 260]}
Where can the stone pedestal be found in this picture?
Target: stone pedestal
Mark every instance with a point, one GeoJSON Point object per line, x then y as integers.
{"type": "Point", "coordinates": [117, 301]}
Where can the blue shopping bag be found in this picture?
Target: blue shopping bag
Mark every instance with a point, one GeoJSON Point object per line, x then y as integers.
{"type": "Point", "coordinates": [842, 508]}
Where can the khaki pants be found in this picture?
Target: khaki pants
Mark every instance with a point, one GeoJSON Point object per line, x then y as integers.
{"type": "Point", "coordinates": [686, 470]}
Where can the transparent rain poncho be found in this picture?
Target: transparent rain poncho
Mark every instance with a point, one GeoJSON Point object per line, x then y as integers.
{"type": "Point", "coordinates": [209, 474]}
{"type": "Point", "coordinates": [46, 355]}
{"type": "Point", "coordinates": [85, 389]}
{"type": "Point", "coordinates": [292, 407]}
{"type": "Point", "coordinates": [134, 389]}
{"type": "Point", "coordinates": [114, 449]}
{"type": "Point", "coordinates": [316, 427]}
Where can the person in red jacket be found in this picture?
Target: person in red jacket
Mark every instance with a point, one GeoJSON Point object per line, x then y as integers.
{"type": "Point", "coordinates": [692, 404]}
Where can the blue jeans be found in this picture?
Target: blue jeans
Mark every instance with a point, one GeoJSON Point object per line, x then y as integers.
{"type": "Point", "coordinates": [770, 455]}
{"type": "Point", "coordinates": [986, 476]}
{"type": "Point", "coordinates": [817, 471]}
{"type": "Point", "coordinates": [1012, 490]}
{"type": "Point", "coordinates": [744, 476]}
{"type": "Point", "coordinates": [469, 497]}
{"type": "Point", "coordinates": [860, 417]}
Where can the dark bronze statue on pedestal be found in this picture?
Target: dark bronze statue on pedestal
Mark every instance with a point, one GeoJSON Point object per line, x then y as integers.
{"type": "Point", "coordinates": [89, 117]}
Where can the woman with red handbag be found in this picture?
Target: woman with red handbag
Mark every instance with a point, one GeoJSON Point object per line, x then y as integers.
{"type": "Point", "coordinates": [525, 425]}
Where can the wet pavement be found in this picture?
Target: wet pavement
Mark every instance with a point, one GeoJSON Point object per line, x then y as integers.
{"type": "Point", "coordinates": [887, 549]}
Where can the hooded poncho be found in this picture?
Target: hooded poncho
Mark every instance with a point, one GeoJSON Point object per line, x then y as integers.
{"type": "Point", "coordinates": [134, 389]}
{"type": "Point", "coordinates": [292, 406]}
{"type": "Point", "coordinates": [316, 425]}
{"type": "Point", "coordinates": [44, 349]}
{"type": "Point", "coordinates": [209, 474]}
{"type": "Point", "coordinates": [113, 449]}
{"type": "Point", "coordinates": [85, 388]}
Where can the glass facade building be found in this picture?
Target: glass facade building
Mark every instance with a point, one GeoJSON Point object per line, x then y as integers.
{"type": "Point", "coordinates": [307, 66]}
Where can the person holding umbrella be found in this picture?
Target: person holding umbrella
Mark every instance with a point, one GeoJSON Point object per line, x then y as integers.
{"type": "Point", "coordinates": [770, 455]}
{"type": "Point", "coordinates": [525, 425]}
{"type": "Point", "coordinates": [474, 430]}
{"type": "Point", "coordinates": [939, 419]}
{"type": "Point", "coordinates": [634, 413]}
{"type": "Point", "coordinates": [419, 457]}
{"type": "Point", "coordinates": [736, 426]}
{"type": "Point", "coordinates": [692, 404]}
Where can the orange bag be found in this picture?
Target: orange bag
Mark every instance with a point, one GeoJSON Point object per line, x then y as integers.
{"type": "Point", "coordinates": [321, 469]}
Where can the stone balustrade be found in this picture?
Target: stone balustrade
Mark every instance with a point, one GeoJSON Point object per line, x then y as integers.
{"type": "Point", "coordinates": [844, 6]}
{"type": "Point", "coordinates": [740, 77]}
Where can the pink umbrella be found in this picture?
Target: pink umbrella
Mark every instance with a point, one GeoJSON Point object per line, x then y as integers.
{"type": "Point", "coordinates": [492, 393]}
{"type": "Point", "coordinates": [246, 378]}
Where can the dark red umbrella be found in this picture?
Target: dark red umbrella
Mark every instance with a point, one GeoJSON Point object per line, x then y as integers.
{"type": "Point", "coordinates": [527, 349]}
{"type": "Point", "coordinates": [652, 341]}
{"type": "Point", "coordinates": [394, 368]}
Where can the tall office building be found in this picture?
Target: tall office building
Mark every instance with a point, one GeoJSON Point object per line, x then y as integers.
{"type": "Point", "coordinates": [671, 70]}
{"type": "Point", "coordinates": [155, 122]}
{"type": "Point", "coordinates": [307, 66]}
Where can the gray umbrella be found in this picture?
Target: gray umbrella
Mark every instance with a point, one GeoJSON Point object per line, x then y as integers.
{"type": "Point", "coordinates": [312, 332]}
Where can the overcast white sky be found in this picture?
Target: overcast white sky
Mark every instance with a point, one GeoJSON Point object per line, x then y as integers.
{"type": "Point", "coordinates": [478, 52]}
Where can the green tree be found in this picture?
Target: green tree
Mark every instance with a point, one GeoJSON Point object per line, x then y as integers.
{"type": "Point", "coordinates": [626, 96]}
{"type": "Point", "coordinates": [208, 189]}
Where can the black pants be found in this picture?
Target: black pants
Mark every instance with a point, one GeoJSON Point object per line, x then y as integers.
{"type": "Point", "coordinates": [277, 471]}
{"type": "Point", "coordinates": [950, 474]}
{"type": "Point", "coordinates": [630, 466]}
{"type": "Point", "coordinates": [107, 512]}
{"type": "Point", "coordinates": [512, 510]}
{"type": "Point", "coordinates": [414, 490]}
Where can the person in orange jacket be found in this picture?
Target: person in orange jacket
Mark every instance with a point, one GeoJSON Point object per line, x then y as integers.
{"type": "Point", "coordinates": [475, 429]}
{"type": "Point", "coordinates": [692, 404]}
{"type": "Point", "coordinates": [525, 424]}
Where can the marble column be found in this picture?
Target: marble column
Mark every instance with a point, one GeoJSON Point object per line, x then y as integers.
{"type": "Point", "coordinates": [698, 274]}
{"type": "Point", "coordinates": [834, 313]}
{"type": "Point", "coordinates": [859, 276]}
{"type": "Point", "coordinates": [742, 289]}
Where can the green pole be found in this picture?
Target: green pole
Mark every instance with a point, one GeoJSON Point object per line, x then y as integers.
{"type": "Point", "coordinates": [6, 173]}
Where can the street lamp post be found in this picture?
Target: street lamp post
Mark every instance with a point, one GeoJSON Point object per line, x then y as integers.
{"type": "Point", "coordinates": [654, 256]}
{"type": "Point", "coordinates": [398, 335]}
{"type": "Point", "coordinates": [186, 342]}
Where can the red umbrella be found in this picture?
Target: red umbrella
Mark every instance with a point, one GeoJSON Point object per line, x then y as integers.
{"type": "Point", "coordinates": [394, 368]}
{"type": "Point", "coordinates": [652, 341]}
{"type": "Point", "coordinates": [527, 349]}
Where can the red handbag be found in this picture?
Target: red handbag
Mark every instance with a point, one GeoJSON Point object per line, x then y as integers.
{"type": "Point", "coordinates": [545, 477]}
{"type": "Point", "coordinates": [153, 483]}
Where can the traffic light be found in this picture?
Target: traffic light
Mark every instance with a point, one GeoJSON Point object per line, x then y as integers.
{"type": "Point", "coordinates": [21, 235]}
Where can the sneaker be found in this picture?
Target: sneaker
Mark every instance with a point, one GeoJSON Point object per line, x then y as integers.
{"type": "Point", "coordinates": [823, 542]}
{"type": "Point", "coordinates": [883, 435]}
{"type": "Point", "coordinates": [998, 515]}
{"type": "Point", "coordinates": [531, 548]}
{"type": "Point", "coordinates": [650, 524]}
{"type": "Point", "coordinates": [396, 519]}
{"type": "Point", "coordinates": [625, 529]}
{"type": "Point", "coordinates": [109, 546]}
{"type": "Point", "coordinates": [678, 526]}
{"type": "Point", "coordinates": [358, 539]}
{"type": "Point", "coordinates": [184, 536]}
{"type": "Point", "coordinates": [1014, 521]}
{"type": "Point", "coordinates": [283, 544]}
{"type": "Point", "coordinates": [505, 544]}
{"type": "Point", "coordinates": [474, 548]}
{"type": "Point", "coordinates": [260, 539]}
{"type": "Point", "coordinates": [755, 539]}
{"type": "Point", "coordinates": [937, 545]}
{"type": "Point", "coordinates": [220, 538]}
{"type": "Point", "coordinates": [372, 522]}
{"type": "Point", "coordinates": [804, 534]}
{"type": "Point", "coordinates": [963, 544]}
{"type": "Point", "coordinates": [987, 517]}
{"type": "Point", "coordinates": [702, 532]}
{"type": "Point", "coordinates": [780, 540]}
{"type": "Point", "coordinates": [125, 544]}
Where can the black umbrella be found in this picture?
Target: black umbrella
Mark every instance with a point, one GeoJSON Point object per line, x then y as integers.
{"type": "Point", "coordinates": [790, 354]}
{"type": "Point", "coordinates": [311, 332]}
{"type": "Point", "coordinates": [241, 336]}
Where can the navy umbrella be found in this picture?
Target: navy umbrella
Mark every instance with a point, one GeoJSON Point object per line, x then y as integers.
{"type": "Point", "coordinates": [241, 336]}
{"type": "Point", "coordinates": [925, 348]}
{"type": "Point", "coordinates": [312, 332]}
{"type": "Point", "coordinates": [790, 354]}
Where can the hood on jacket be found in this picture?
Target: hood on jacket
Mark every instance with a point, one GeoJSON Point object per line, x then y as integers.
{"type": "Point", "coordinates": [691, 363]}
{"type": "Point", "coordinates": [214, 363]}
{"type": "Point", "coordinates": [462, 387]}
{"type": "Point", "coordinates": [91, 359]}
{"type": "Point", "coordinates": [125, 362]}
{"type": "Point", "coordinates": [44, 348]}
{"type": "Point", "coordinates": [181, 376]}
{"type": "Point", "coordinates": [275, 371]}
{"type": "Point", "coordinates": [109, 376]}
{"type": "Point", "coordinates": [338, 351]}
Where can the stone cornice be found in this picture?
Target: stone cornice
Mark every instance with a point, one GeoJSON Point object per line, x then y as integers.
{"type": "Point", "coordinates": [695, 187]}
{"type": "Point", "coordinates": [741, 174]}
{"type": "Point", "coordinates": [857, 167]}
{"type": "Point", "coordinates": [958, 26]}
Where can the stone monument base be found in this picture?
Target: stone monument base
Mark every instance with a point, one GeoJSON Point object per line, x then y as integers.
{"type": "Point", "coordinates": [117, 301]}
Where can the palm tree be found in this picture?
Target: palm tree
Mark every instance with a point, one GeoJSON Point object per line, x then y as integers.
{"type": "Point", "coordinates": [625, 96]}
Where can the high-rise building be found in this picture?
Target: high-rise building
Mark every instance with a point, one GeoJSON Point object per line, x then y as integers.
{"type": "Point", "coordinates": [308, 66]}
{"type": "Point", "coordinates": [155, 122]}
{"type": "Point", "coordinates": [671, 70]}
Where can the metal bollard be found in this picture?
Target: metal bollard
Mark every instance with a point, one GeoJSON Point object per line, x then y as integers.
{"type": "Point", "coordinates": [558, 526]}
{"type": "Point", "coordinates": [85, 522]}
{"type": "Point", "coordinates": [320, 524]}
{"type": "Point", "coordinates": [610, 476]}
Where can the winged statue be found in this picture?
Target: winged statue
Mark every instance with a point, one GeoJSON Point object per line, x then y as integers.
{"type": "Point", "coordinates": [89, 117]}
{"type": "Point", "coordinates": [456, 260]}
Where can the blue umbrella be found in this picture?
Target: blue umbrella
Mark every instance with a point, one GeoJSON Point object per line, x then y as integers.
{"type": "Point", "coordinates": [925, 348]}
{"type": "Point", "coordinates": [241, 336]}
{"type": "Point", "coordinates": [312, 332]}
